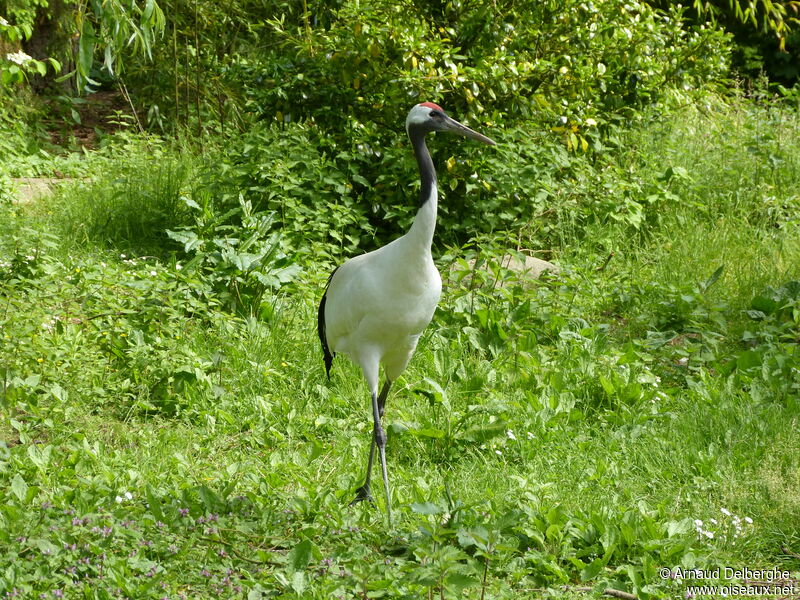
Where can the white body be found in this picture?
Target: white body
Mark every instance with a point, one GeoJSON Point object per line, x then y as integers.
{"type": "Point", "coordinates": [379, 303]}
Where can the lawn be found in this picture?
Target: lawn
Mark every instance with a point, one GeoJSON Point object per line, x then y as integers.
{"type": "Point", "coordinates": [167, 430]}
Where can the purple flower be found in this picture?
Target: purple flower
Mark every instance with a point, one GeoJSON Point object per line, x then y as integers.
{"type": "Point", "coordinates": [212, 518]}
{"type": "Point", "coordinates": [184, 511]}
{"type": "Point", "coordinates": [160, 525]}
{"type": "Point", "coordinates": [21, 539]}
{"type": "Point", "coordinates": [107, 531]}
{"type": "Point", "coordinates": [58, 593]}
{"type": "Point", "coordinates": [205, 573]}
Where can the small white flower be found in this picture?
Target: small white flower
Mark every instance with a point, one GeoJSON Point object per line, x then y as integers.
{"type": "Point", "coordinates": [18, 57]}
{"type": "Point", "coordinates": [683, 361]}
{"type": "Point", "coordinates": [714, 521]}
{"type": "Point", "coordinates": [511, 435]}
{"type": "Point", "coordinates": [590, 122]}
{"type": "Point", "coordinates": [122, 256]}
{"type": "Point", "coordinates": [748, 520]}
{"type": "Point", "coordinates": [698, 523]}
{"type": "Point", "coordinates": [530, 435]}
{"type": "Point", "coordinates": [3, 22]}
{"type": "Point", "coordinates": [725, 512]}
{"type": "Point", "coordinates": [178, 266]}
{"type": "Point", "coordinates": [129, 496]}
{"type": "Point", "coordinates": [709, 534]}
{"type": "Point", "coordinates": [498, 452]}
{"type": "Point", "coordinates": [118, 499]}
{"type": "Point", "coordinates": [153, 273]}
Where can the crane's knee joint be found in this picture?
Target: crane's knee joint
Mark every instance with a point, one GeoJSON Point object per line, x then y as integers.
{"type": "Point", "coordinates": [380, 436]}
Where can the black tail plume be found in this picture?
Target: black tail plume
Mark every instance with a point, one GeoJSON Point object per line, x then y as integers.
{"type": "Point", "coordinates": [326, 351]}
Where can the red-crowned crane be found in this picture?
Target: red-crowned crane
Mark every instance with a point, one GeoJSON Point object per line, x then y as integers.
{"type": "Point", "coordinates": [376, 305]}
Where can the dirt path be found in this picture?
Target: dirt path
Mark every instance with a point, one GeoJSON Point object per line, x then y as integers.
{"type": "Point", "coordinates": [34, 188]}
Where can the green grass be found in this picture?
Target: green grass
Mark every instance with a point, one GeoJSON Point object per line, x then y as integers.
{"type": "Point", "coordinates": [548, 436]}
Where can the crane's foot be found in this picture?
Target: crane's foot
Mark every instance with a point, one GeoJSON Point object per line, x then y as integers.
{"type": "Point", "coordinates": [363, 493]}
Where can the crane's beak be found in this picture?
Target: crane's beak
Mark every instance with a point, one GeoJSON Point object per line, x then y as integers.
{"type": "Point", "coordinates": [454, 126]}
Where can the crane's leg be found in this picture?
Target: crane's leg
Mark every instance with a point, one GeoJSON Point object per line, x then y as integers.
{"type": "Point", "coordinates": [378, 408]}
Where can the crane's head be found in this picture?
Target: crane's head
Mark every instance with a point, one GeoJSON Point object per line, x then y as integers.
{"type": "Point", "coordinates": [427, 117]}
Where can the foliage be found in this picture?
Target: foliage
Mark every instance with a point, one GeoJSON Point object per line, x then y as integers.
{"type": "Point", "coordinates": [159, 439]}
{"type": "Point", "coordinates": [17, 66]}
{"type": "Point", "coordinates": [301, 176]}
{"type": "Point", "coordinates": [115, 26]}
{"type": "Point", "coordinates": [573, 60]}
{"type": "Point", "coordinates": [368, 61]}
{"type": "Point", "coordinates": [165, 421]}
{"type": "Point", "coordinates": [240, 262]}
{"type": "Point", "coordinates": [132, 201]}
{"type": "Point", "coordinates": [776, 17]}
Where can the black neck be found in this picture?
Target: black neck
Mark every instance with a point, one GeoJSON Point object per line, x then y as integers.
{"type": "Point", "coordinates": [427, 172]}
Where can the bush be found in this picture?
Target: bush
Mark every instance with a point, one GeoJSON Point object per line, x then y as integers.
{"type": "Point", "coordinates": [135, 199]}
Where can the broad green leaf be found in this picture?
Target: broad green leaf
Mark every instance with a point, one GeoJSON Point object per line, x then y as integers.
{"type": "Point", "coordinates": [299, 582]}
{"type": "Point", "coordinates": [426, 508]}
{"type": "Point", "coordinates": [459, 582]}
{"type": "Point", "coordinates": [19, 487]}
{"type": "Point", "coordinates": [428, 432]}
{"type": "Point", "coordinates": [593, 569]}
{"type": "Point", "coordinates": [300, 555]}
{"type": "Point", "coordinates": [86, 49]}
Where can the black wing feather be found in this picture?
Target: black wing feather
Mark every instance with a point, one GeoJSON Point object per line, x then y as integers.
{"type": "Point", "coordinates": [326, 351]}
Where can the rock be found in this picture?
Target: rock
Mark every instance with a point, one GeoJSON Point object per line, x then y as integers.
{"type": "Point", "coordinates": [527, 268]}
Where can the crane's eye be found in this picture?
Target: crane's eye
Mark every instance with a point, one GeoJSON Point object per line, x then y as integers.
{"type": "Point", "coordinates": [436, 114]}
